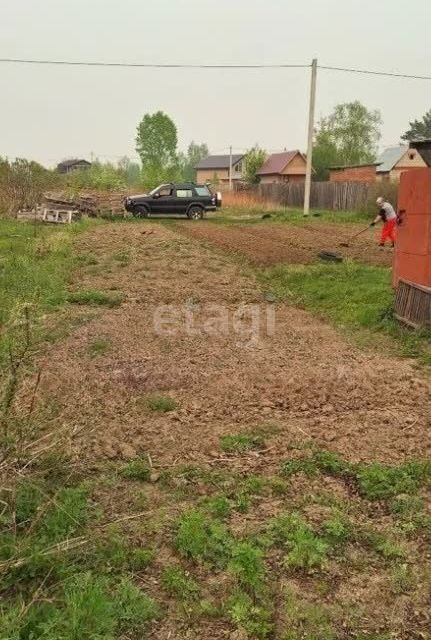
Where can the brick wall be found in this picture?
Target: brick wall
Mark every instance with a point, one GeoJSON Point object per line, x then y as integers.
{"type": "Point", "coordinates": [353, 174]}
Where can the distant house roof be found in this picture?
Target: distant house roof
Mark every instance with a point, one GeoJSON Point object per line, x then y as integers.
{"type": "Point", "coordinates": [390, 157]}
{"type": "Point", "coordinates": [424, 148]}
{"type": "Point", "coordinates": [354, 166]}
{"type": "Point", "coordinates": [277, 162]}
{"type": "Point", "coordinates": [73, 162]}
{"type": "Point", "coordinates": [219, 162]}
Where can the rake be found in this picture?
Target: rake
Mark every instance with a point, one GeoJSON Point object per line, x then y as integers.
{"type": "Point", "coordinates": [347, 244]}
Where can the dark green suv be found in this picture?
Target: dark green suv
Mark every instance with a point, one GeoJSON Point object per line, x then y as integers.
{"type": "Point", "coordinates": [189, 199]}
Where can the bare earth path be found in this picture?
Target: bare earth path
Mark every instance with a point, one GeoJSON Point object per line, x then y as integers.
{"type": "Point", "coordinates": [305, 376]}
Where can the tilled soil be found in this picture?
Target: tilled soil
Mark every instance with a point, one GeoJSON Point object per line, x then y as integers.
{"type": "Point", "coordinates": [267, 244]}
{"type": "Point", "coordinates": [225, 379]}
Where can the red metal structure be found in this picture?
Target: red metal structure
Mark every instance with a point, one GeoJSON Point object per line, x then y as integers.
{"type": "Point", "coordinates": [412, 260]}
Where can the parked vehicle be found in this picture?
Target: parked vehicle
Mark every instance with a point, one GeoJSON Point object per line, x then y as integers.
{"type": "Point", "coordinates": [189, 199]}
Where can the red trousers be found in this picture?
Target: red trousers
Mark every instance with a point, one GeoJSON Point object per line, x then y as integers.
{"type": "Point", "coordinates": [388, 231]}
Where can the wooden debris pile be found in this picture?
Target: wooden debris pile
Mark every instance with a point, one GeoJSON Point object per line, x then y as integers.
{"type": "Point", "coordinates": [91, 203]}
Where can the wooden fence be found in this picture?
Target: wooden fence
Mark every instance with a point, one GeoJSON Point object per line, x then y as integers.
{"type": "Point", "coordinates": [359, 196]}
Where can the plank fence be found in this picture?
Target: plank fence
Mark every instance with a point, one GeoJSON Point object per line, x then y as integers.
{"type": "Point", "coordinates": [344, 196]}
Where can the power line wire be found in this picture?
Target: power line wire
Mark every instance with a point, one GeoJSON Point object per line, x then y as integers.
{"type": "Point", "coordinates": [138, 65]}
{"type": "Point", "coordinates": [387, 74]}
{"type": "Point", "coordinates": [82, 63]}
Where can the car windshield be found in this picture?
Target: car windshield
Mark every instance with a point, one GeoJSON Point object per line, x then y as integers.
{"type": "Point", "coordinates": [157, 189]}
{"type": "Point", "coordinates": [203, 191]}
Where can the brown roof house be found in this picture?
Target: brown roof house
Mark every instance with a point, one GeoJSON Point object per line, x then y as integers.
{"type": "Point", "coordinates": [289, 166]}
{"type": "Point", "coordinates": [354, 173]}
{"type": "Point", "coordinates": [215, 169]}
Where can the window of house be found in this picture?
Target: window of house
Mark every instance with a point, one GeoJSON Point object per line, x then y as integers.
{"type": "Point", "coordinates": [184, 193]}
{"type": "Point", "coordinates": [412, 155]}
{"type": "Point", "coordinates": [238, 167]}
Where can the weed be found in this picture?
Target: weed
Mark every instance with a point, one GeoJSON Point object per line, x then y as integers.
{"type": "Point", "coordinates": [278, 486]}
{"type": "Point", "coordinates": [307, 620]}
{"type": "Point", "coordinates": [253, 618]}
{"type": "Point", "coordinates": [247, 565]}
{"type": "Point", "coordinates": [217, 506]}
{"type": "Point", "coordinates": [380, 482]}
{"type": "Point", "coordinates": [123, 257]}
{"type": "Point", "coordinates": [86, 259]}
{"type": "Point", "coordinates": [330, 462]}
{"type": "Point", "coordinates": [137, 469]}
{"type": "Point", "coordinates": [401, 579]}
{"type": "Point", "coordinates": [241, 442]}
{"type": "Point", "coordinates": [178, 583]}
{"type": "Point", "coordinates": [99, 347]}
{"type": "Point", "coordinates": [306, 550]}
{"type": "Point", "coordinates": [307, 466]}
{"type": "Point", "coordinates": [93, 297]}
{"type": "Point", "coordinates": [114, 553]}
{"type": "Point", "coordinates": [200, 538]}
{"type": "Point", "coordinates": [337, 530]}
{"type": "Point", "coordinates": [67, 513]}
{"type": "Point", "coordinates": [390, 549]}
{"type": "Point", "coordinates": [160, 404]}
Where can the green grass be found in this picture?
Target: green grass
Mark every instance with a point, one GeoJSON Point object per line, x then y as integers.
{"type": "Point", "coordinates": [241, 442]}
{"type": "Point", "coordinates": [305, 549]}
{"type": "Point", "coordinates": [253, 215]}
{"type": "Point", "coordinates": [136, 470]}
{"type": "Point", "coordinates": [203, 539]}
{"type": "Point", "coordinates": [353, 297]}
{"type": "Point", "coordinates": [99, 347]}
{"type": "Point", "coordinates": [160, 404]}
{"type": "Point", "coordinates": [179, 584]}
{"type": "Point", "coordinates": [93, 297]}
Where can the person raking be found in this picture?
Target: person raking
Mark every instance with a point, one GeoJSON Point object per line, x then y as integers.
{"type": "Point", "coordinates": [389, 218]}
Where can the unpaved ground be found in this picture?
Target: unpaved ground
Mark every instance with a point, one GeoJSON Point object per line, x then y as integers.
{"type": "Point", "coordinates": [301, 382]}
{"type": "Point", "coordinates": [270, 243]}
{"type": "Point", "coordinates": [304, 376]}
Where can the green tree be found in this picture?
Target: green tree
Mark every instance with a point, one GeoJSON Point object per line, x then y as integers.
{"type": "Point", "coordinates": [419, 128]}
{"type": "Point", "coordinates": [254, 160]}
{"type": "Point", "coordinates": [130, 170]}
{"type": "Point", "coordinates": [189, 160]}
{"type": "Point", "coordinates": [156, 144]}
{"type": "Point", "coordinates": [349, 135]}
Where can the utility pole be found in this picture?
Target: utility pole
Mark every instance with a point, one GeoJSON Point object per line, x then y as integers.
{"type": "Point", "coordinates": [230, 168]}
{"type": "Point", "coordinates": [310, 137]}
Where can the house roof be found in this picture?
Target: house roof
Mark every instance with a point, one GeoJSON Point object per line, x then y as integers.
{"type": "Point", "coordinates": [277, 162]}
{"type": "Point", "coordinates": [219, 162]}
{"type": "Point", "coordinates": [354, 166]}
{"type": "Point", "coordinates": [424, 148]}
{"type": "Point", "coordinates": [66, 164]}
{"type": "Point", "coordinates": [390, 157]}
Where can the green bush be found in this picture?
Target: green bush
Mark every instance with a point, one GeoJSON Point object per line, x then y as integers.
{"type": "Point", "coordinates": [306, 550]}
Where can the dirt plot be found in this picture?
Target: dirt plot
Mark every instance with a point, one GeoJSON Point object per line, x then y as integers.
{"type": "Point", "coordinates": [268, 243]}
{"type": "Point", "coordinates": [304, 375]}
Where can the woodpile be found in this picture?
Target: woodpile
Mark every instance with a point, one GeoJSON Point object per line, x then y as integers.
{"type": "Point", "coordinates": [94, 203]}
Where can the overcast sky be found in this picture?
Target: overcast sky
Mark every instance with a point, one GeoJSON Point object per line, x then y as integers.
{"type": "Point", "coordinates": [49, 113]}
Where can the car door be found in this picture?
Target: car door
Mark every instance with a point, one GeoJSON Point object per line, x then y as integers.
{"type": "Point", "coordinates": [163, 200]}
{"type": "Point", "coordinates": [183, 198]}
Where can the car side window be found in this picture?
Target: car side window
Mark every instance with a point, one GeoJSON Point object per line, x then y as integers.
{"type": "Point", "coordinates": [166, 191]}
{"type": "Point", "coordinates": [184, 193]}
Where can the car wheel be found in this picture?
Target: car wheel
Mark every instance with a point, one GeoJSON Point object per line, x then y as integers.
{"type": "Point", "coordinates": [195, 213]}
{"type": "Point", "coordinates": [141, 213]}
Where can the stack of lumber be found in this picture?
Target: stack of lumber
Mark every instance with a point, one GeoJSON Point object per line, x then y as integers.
{"type": "Point", "coordinates": [92, 203]}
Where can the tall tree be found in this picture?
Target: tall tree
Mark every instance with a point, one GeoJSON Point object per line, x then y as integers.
{"type": "Point", "coordinates": [254, 159]}
{"type": "Point", "coordinates": [156, 140]}
{"type": "Point", "coordinates": [419, 128]}
{"type": "Point", "coordinates": [349, 135]}
{"type": "Point", "coordinates": [189, 160]}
